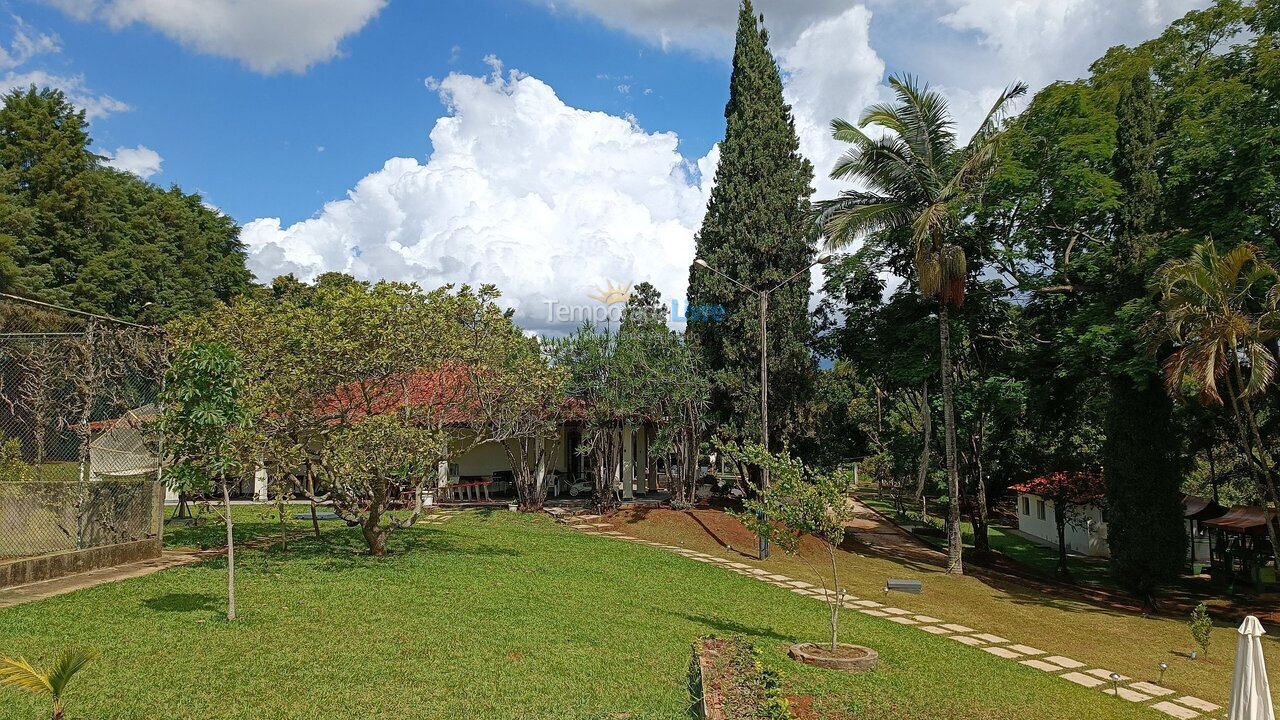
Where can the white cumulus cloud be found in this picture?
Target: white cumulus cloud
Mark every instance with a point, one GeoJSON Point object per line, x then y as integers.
{"type": "Point", "coordinates": [268, 36]}
{"type": "Point", "coordinates": [704, 26]}
{"type": "Point", "coordinates": [95, 104]}
{"type": "Point", "coordinates": [26, 47]}
{"type": "Point", "coordinates": [1047, 40]}
{"type": "Point", "coordinates": [141, 160]}
{"type": "Point", "coordinates": [547, 201]}
{"type": "Point", "coordinates": [819, 90]}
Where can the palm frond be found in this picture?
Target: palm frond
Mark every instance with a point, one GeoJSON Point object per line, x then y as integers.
{"type": "Point", "coordinates": [925, 119]}
{"type": "Point", "coordinates": [854, 213]}
{"type": "Point", "coordinates": [847, 132]}
{"type": "Point", "coordinates": [69, 663]}
{"type": "Point", "coordinates": [19, 673]}
{"type": "Point", "coordinates": [995, 117]}
{"type": "Point", "coordinates": [1262, 368]}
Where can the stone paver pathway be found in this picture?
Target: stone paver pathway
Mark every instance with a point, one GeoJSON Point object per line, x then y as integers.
{"type": "Point", "coordinates": [1185, 707]}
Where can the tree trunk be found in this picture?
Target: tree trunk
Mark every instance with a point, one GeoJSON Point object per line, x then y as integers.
{"type": "Point", "coordinates": [836, 601]}
{"type": "Point", "coordinates": [1267, 472]}
{"type": "Point", "coordinates": [1060, 518]}
{"type": "Point", "coordinates": [311, 493]}
{"type": "Point", "coordinates": [982, 520]}
{"type": "Point", "coordinates": [926, 433]}
{"type": "Point", "coordinates": [374, 536]}
{"type": "Point", "coordinates": [231, 553]}
{"type": "Point", "coordinates": [1213, 470]}
{"type": "Point", "coordinates": [955, 551]}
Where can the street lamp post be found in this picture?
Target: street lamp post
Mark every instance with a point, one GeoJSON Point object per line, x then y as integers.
{"type": "Point", "coordinates": [763, 295]}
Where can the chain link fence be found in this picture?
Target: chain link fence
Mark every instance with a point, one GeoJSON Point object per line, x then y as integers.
{"type": "Point", "coordinates": [79, 459]}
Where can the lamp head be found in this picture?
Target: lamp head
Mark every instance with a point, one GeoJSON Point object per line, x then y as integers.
{"type": "Point", "coordinates": [701, 263]}
{"type": "Point", "coordinates": [824, 258]}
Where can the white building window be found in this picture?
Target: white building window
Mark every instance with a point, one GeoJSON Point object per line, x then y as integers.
{"type": "Point", "coordinates": [1026, 506]}
{"type": "Point", "coordinates": [1040, 509]}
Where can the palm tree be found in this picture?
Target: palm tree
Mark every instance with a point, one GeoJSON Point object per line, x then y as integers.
{"type": "Point", "coordinates": [53, 682]}
{"type": "Point", "coordinates": [918, 180]}
{"type": "Point", "coordinates": [1221, 312]}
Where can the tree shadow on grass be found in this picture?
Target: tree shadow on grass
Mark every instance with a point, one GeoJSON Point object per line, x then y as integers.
{"type": "Point", "coordinates": [344, 551]}
{"type": "Point", "coordinates": [183, 602]}
{"type": "Point", "coordinates": [725, 626]}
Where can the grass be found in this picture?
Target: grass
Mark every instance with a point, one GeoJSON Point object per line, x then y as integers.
{"type": "Point", "coordinates": [1098, 635]}
{"type": "Point", "coordinates": [53, 471]}
{"type": "Point", "coordinates": [1035, 556]}
{"type": "Point", "coordinates": [489, 615]}
{"type": "Point", "coordinates": [249, 521]}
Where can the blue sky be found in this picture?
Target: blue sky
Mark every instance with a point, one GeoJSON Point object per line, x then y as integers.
{"type": "Point", "coordinates": [252, 143]}
{"type": "Point", "coordinates": [548, 146]}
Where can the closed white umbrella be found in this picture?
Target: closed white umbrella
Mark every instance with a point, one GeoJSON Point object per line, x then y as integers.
{"type": "Point", "coordinates": [1250, 691]}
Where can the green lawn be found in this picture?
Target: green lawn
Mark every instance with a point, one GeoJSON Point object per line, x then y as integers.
{"type": "Point", "coordinates": [490, 615]}
{"type": "Point", "coordinates": [249, 521]}
{"type": "Point", "coordinates": [1037, 557]}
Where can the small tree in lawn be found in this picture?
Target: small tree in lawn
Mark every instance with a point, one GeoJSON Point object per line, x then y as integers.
{"type": "Point", "coordinates": [1201, 628]}
{"type": "Point", "coordinates": [1070, 493]}
{"type": "Point", "coordinates": [369, 460]}
{"type": "Point", "coordinates": [207, 430]}
{"type": "Point", "coordinates": [799, 503]}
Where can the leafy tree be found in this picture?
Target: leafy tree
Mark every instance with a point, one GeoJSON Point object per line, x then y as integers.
{"type": "Point", "coordinates": [76, 232]}
{"type": "Point", "coordinates": [918, 177]}
{"type": "Point", "coordinates": [322, 362]}
{"type": "Point", "coordinates": [798, 504]}
{"type": "Point", "coordinates": [666, 373]}
{"type": "Point", "coordinates": [597, 378]}
{"type": "Point", "coordinates": [369, 460]}
{"type": "Point", "coordinates": [52, 682]}
{"type": "Point", "coordinates": [207, 430]}
{"type": "Point", "coordinates": [754, 231]}
{"type": "Point", "coordinates": [642, 372]}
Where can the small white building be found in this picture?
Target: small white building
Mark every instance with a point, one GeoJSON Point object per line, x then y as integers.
{"type": "Point", "coordinates": [1085, 532]}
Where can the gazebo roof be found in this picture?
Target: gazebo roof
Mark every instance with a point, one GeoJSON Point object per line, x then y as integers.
{"type": "Point", "coordinates": [1243, 519]}
{"type": "Point", "coordinates": [1198, 508]}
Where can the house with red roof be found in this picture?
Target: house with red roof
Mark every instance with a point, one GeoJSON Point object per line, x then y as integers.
{"type": "Point", "coordinates": [480, 469]}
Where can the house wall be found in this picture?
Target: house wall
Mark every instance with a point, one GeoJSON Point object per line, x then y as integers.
{"type": "Point", "coordinates": [490, 457]}
{"type": "Point", "coordinates": [1086, 541]}
{"type": "Point", "coordinates": [635, 476]}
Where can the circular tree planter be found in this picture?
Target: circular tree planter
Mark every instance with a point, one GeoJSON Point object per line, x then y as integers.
{"type": "Point", "coordinates": [849, 658]}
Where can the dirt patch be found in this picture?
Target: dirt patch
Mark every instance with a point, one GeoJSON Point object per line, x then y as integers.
{"type": "Point", "coordinates": [802, 707]}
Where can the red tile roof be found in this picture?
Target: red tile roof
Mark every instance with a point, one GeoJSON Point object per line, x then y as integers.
{"type": "Point", "coordinates": [442, 395]}
{"type": "Point", "coordinates": [1078, 487]}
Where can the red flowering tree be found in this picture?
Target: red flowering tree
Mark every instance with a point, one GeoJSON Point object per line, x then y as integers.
{"type": "Point", "coordinates": [1070, 493]}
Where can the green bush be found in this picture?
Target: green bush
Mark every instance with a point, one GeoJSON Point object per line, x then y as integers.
{"type": "Point", "coordinates": [1201, 626]}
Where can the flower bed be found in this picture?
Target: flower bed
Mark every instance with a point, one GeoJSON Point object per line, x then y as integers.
{"type": "Point", "coordinates": [728, 682]}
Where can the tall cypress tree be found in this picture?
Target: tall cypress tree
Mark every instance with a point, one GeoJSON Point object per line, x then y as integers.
{"type": "Point", "coordinates": [1141, 452]}
{"type": "Point", "coordinates": [755, 232]}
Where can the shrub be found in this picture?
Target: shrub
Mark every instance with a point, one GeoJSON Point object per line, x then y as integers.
{"type": "Point", "coordinates": [1201, 626]}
